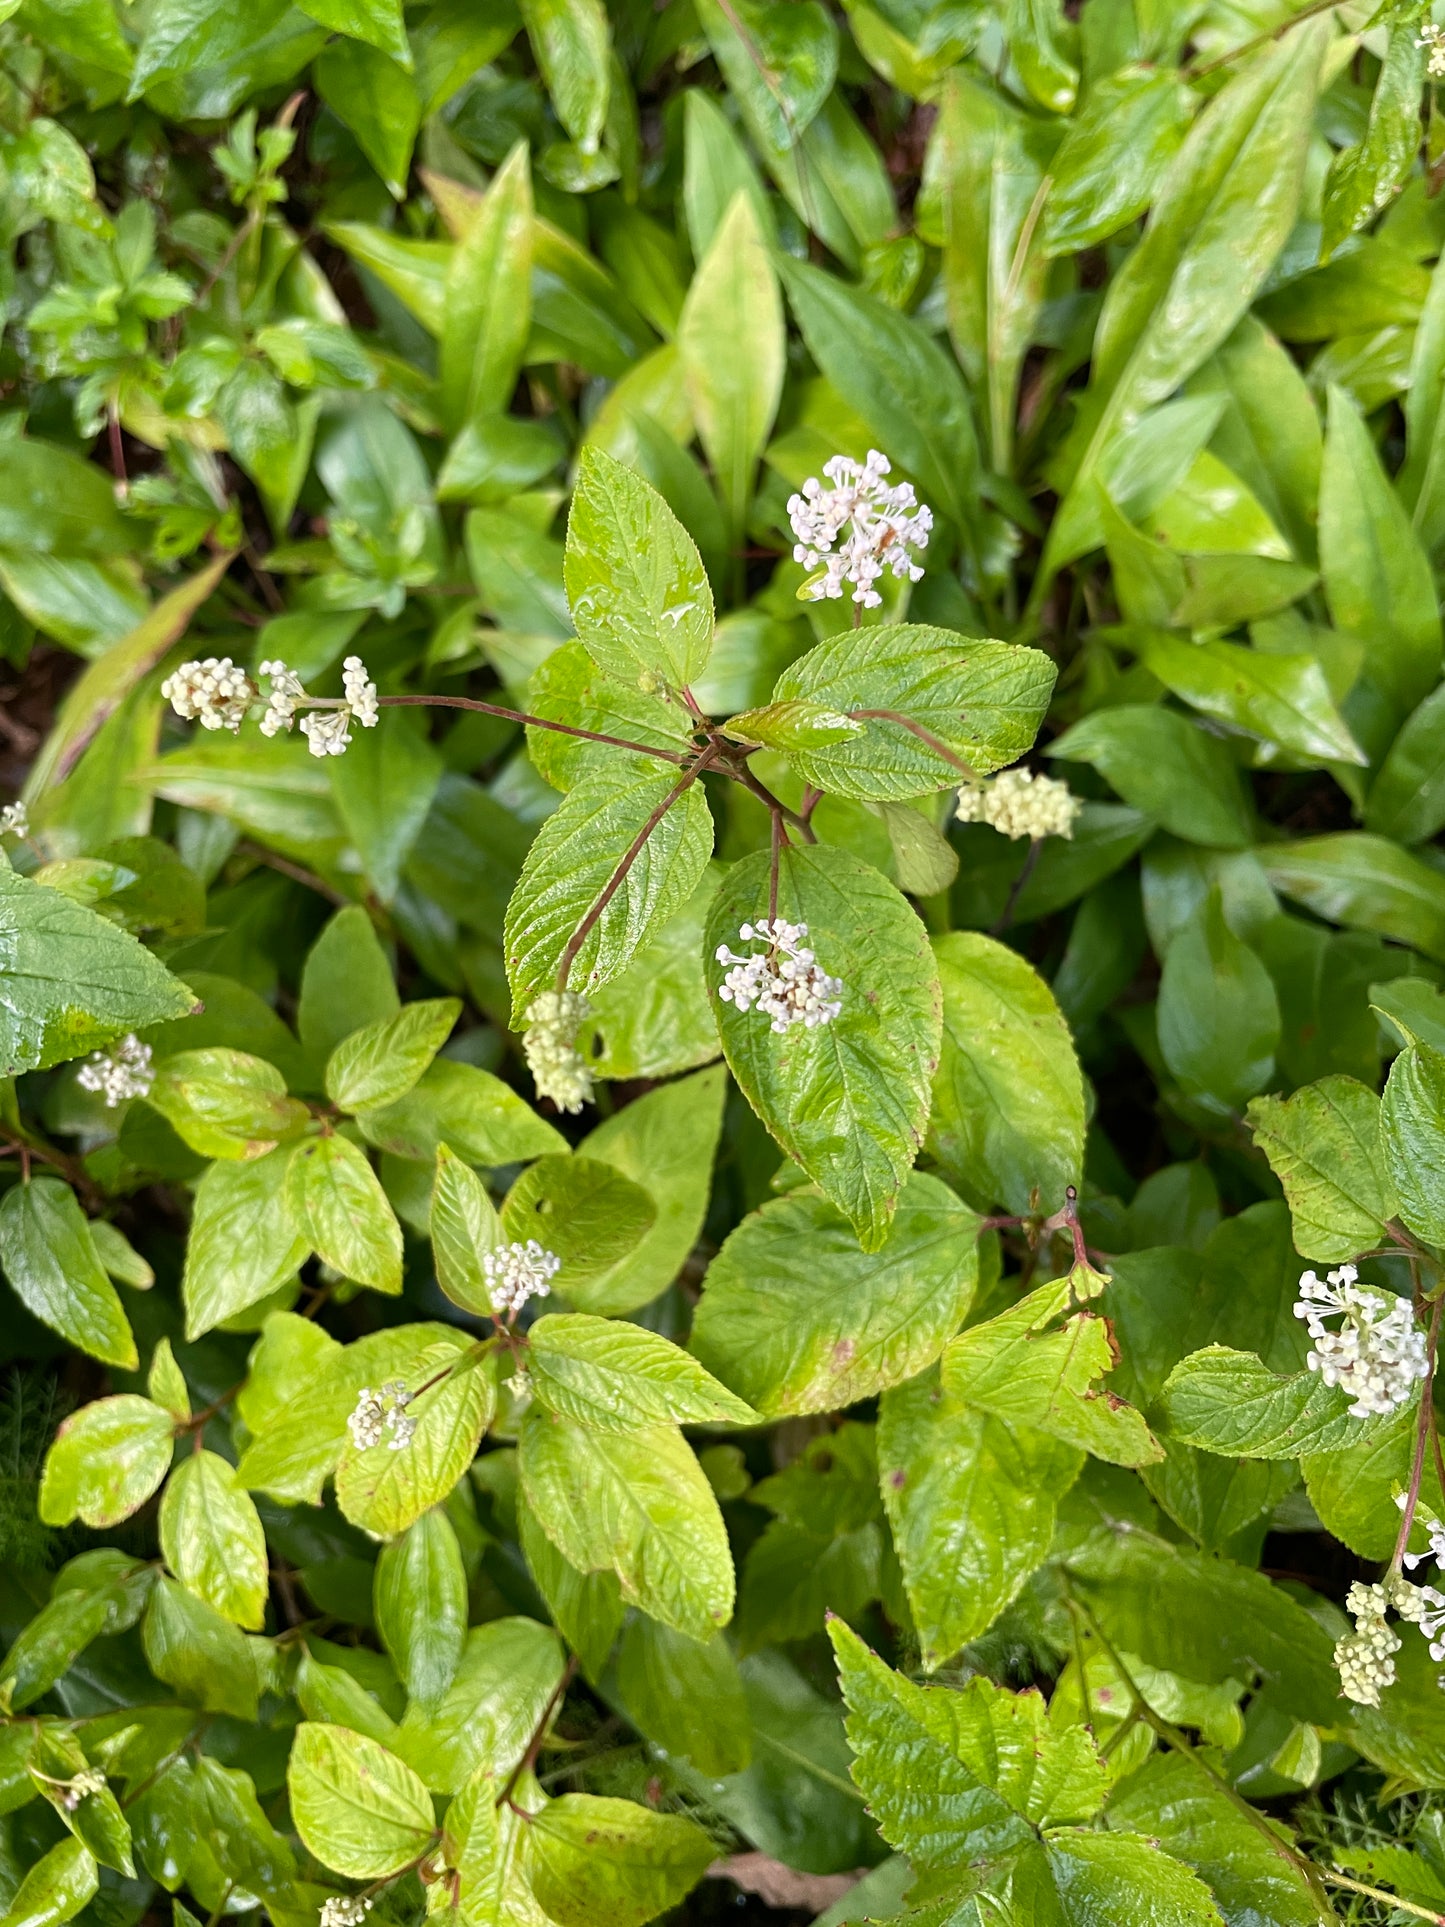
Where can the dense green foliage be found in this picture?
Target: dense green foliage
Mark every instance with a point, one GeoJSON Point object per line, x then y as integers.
{"type": "Point", "coordinates": [513, 1400]}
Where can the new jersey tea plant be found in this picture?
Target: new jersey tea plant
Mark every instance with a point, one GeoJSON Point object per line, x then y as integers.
{"type": "Point", "coordinates": [722, 963]}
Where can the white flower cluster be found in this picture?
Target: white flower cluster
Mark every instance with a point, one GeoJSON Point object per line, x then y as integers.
{"type": "Point", "coordinates": [559, 1071]}
{"type": "Point", "coordinates": [214, 693]}
{"type": "Point", "coordinates": [14, 820]}
{"type": "Point", "coordinates": [379, 1413]}
{"type": "Point", "coordinates": [327, 724]}
{"type": "Point", "coordinates": [1433, 37]}
{"type": "Point", "coordinates": [1432, 1620]}
{"type": "Point", "coordinates": [1378, 1352]}
{"type": "Point", "coordinates": [1018, 803]}
{"type": "Point", "coordinates": [345, 1910]}
{"type": "Point", "coordinates": [89, 1780]}
{"type": "Point", "coordinates": [1365, 1658]}
{"type": "Point", "coordinates": [517, 1272]}
{"type": "Point", "coordinates": [122, 1070]}
{"type": "Point", "coordinates": [784, 981]}
{"type": "Point", "coordinates": [884, 525]}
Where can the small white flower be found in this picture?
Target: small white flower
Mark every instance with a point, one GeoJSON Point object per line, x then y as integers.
{"type": "Point", "coordinates": [360, 692]}
{"type": "Point", "coordinates": [327, 723]}
{"type": "Point", "coordinates": [213, 692]}
{"type": "Point", "coordinates": [1018, 803]}
{"type": "Point", "coordinates": [1378, 1352]}
{"type": "Point", "coordinates": [327, 731]}
{"type": "Point", "coordinates": [884, 525]}
{"type": "Point", "coordinates": [285, 694]}
{"type": "Point", "coordinates": [89, 1780]}
{"type": "Point", "coordinates": [1436, 1548]}
{"type": "Point", "coordinates": [1365, 1658]}
{"type": "Point", "coordinates": [379, 1413]}
{"type": "Point", "coordinates": [1433, 37]}
{"type": "Point", "coordinates": [122, 1070]}
{"type": "Point", "coordinates": [517, 1272]}
{"type": "Point", "coordinates": [345, 1910]}
{"type": "Point", "coordinates": [14, 820]}
{"type": "Point", "coordinates": [785, 981]}
{"type": "Point", "coordinates": [559, 1071]}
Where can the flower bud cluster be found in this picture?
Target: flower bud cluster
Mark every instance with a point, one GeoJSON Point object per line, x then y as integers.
{"type": "Point", "coordinates": [884, 523]}
{"type": "Point", "coordinates": [785, 981]}
{"type": "Point", "coordinates": [89, 1780]}
{"type": "Point", "coordinates": [213, 692]}
{"type": "Point", "coordinates": [558, 1069]}
{"type": "Point", "coordinates": [14, 820]}
{"type": "Point", "coordinates": [1433, 37]}
{"type": "Point", "coordinates": [1018, 803]}
{"type": "Point", "coordinates": [1365, 1658]}
{"type": "Point", "coordinates": [517, 1272]}
{"type": "Point", "coordinates": [121, 1071]}
{"type": "Point", "coordinates": [381, 1413]}
{"type": "Point", "coordinates": [345, 1910]}
{"type": "Point", "coordinates": [1378, 1352]}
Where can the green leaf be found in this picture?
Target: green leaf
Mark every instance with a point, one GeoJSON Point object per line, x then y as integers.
{"type": "Point", "coordinates": [733, 343]}
{"type": "Point", "coordinates": [586, 1607]}
{"type": "Point", "coordinates": [1113, 153]}
{"type": "Point", "coordinates": [1354, 1488]}
{"type": "Point", "coordinates": [347, 982]}
{"type": "Point", "coordinates": [1097, 1875]}
{"type": "Point", "coordinates": [796, 1316]}
{"type": "Point", "coordinates": [1364, 176]}
{"type": "Point", "coordinates": [972, 1503]}
{"type": "Point", "coordinates": [212, 1539]}
{"type": "Point", "coordinates": [50, 1259]}
{"type": "Point", "coordinates": [381, 1062]}
{"type": "Point", "coordinates": [573, 48]}
{"type": "Point", "coordinates": [1227, 1401]}
{"type": "Point", "coordinates": [472, 1111]}
{"type": "Point", "coordinates": [106, 1461]}
{"type": "Point", "coordinates": [848, 1099]}
{"type": "Point", "coordinates": [206, 1659]}
{"type": "Point", "coordinates": [686, 1698]}
{"type": "Point", "coordinates": [636, 1503]}
{"type": "Point", "coordinates": [377, 99]}
{"type": "Point", "coordinates": [225, 1103]}
{"type": "Point", "coordinates": [1218, 1015]}
{"type": "Point", "coordinates": [1163, 764]}
{"type": "Point", "coordinates": [244, 1243]}
{"type": "Point", "coordinates": [617, 1377]}
{"type": "Point", "coordinates": [664, 1141]}
{"type": "Point", "coordinates": [897, 378]}
{"type": "Point", "coordinates": [588, 1214]}
{"type": "Point", "coordinates": [385, 1491]}
{"type": "Point", "coordinates": [1407, 798]}
{"type": "Point", "coordinates": [1023, 1373]}
{"type": "Point", "coordinates": [421, 1605]}
{"type": "Point", "coordinates": [1323, 1145]}
{"type": "Point", "coordinates": [358, 1808]}
{"type": "Point", "coordinates": [335, 1198]}
{"type": "Point", "coordinates": [1281, 699]}
{"type": "Point", "coordinates": [488, 310]}
{"type": "Point", "coordinates": [1007, 1124]}
{"type": "Point", "coordinates": [1377, 577]}
{"type": "Point", "coordinates": [1412, 1120]}
{"type": "Point", "coordinates": [60, 1883]}
{"type": "Point", "coordinates": [971, 706]}
{"type": "Point", "coordinates": [1366, 883]}
{"type": "Point", "coordinates": [378, 22]}
{"type": "Point", "coordinates": [510, 1670]}
{"type": "Point", "coordinates": [591, 1859]}
{"type": "Point", "coordinates": [637, 589]}
{"type": "Point", "coordinates": [383, 788]}
{"type": "Point", "coordinates": [575, 858]}
{"type": "Point", "coordinates": [73, 980]}
{"type": "Point", "coordinates": [795, 53]}
{"type": "Point", "coordinates": [464, 1228]}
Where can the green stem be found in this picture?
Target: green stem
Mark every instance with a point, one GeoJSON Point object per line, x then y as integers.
{"type": "Point", "coordinates": [1259, 39]}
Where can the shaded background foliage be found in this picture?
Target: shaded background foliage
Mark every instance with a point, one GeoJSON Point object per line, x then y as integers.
{"type": "Point", "coordinates": [1144, 300]}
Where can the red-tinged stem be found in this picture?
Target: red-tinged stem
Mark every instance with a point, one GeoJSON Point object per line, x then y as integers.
{"type": "Point", "coordinates": [1422, 1434]}
{"type": "Point", "coordinates": [935, 743]}
{"type": "Point", "coordinates": [634, 850]}
{"type": "Point", "coordinates": [533, 722]}
{"type": "Point", "coordinates": [774, 804]}
{"type": "Point", "coordinates": [539, 1734]}
{"type": "Point", "coordinates": [775, 855]}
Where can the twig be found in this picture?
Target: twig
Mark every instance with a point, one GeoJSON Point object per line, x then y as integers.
{"type": "Point", "coordinates": [532, 722]}
{"type": "Point", "coordinates": [766, 797]}
{"type": "Point", "coordinates": [935, 743]}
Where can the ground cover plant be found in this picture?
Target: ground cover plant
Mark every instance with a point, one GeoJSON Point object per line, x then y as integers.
{"type": "Point", "coordinates": [722, 1152]}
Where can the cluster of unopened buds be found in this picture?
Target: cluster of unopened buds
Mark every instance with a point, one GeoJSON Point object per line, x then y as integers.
{"type": "Point", "coordinates": [1377, 1355]}
{"type": "Point", "coordinates": [517, 1272]}
{"type": "Point", "coordinates": [345, 1910]}
{"type": "Point", "coordinates": [119, 1072]}
{"type": "Point", "coordinates": [558, 1068]}
{"type": "Point", "coordinates": [382, 1415]}
{"type": "Point", "coordinates": [14, 820]}
{"type": "Point", "coordinates": [1433, 37]}
{"type": "Point", "coordinates": [1365, 1658]}
{"type": "Point", "coordinates": [89, 1780]}
{"type": "Point", "coordinates": [785, 981]}
{"type": "Point", "coordinates": [884, 526]}
{"type": "Point", "coordinates": [1018, 803]}
{"type": "Point", "coordinates": [218, 695]}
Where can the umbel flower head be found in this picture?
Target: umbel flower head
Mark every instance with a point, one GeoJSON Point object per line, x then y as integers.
{"type": "Point", "coordinates": [1018, 803]}
{"type": "Point", "coordinates": [785, 981]}
{"type": "Point", "coordinates": [517, 1272]}
{"type": "Point", "coordinates": [218, 695]}
{"type": "Point", "coordinates": [213, 692]}
{"type": "Point", "coordinates": [558, 1069]}
{"type": "Point", "coordinates": [1378, 1351]}
{"type": "Point", "coordinates": [884, 525]}
{"type": "Point", "coordinates": [122, 1070]}
{"type": "Point", "coordinates": [382, 1413]}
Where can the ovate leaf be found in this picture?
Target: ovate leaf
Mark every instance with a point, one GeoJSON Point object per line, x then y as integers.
{"type": "Point", "coordinates": [591, 1859]}
{"type": "Point", "coordinates": [107, 1460]}
{"type": "Point", "coordinates": [50, 1259]}
{"type": "Point", "coordinates": [245, 1241]}
{"type": "Point", "coordinates": [616, 1376]}
{"type": "Point", "coordinates": [1412, 1134]}
{"type": "Point", "coordinates": [453, 1396]}
{"type": "Point", "coordinates": [336, 1199]}
{"type": "Point", "coordinates": [1324, 1147]}
{"type": "Point", "coordinates": [213, 1541]}
{"type": "Point", "coordinates": [1230, 1402]}
{"type": "Point", "coordinates": [358, 1808]}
